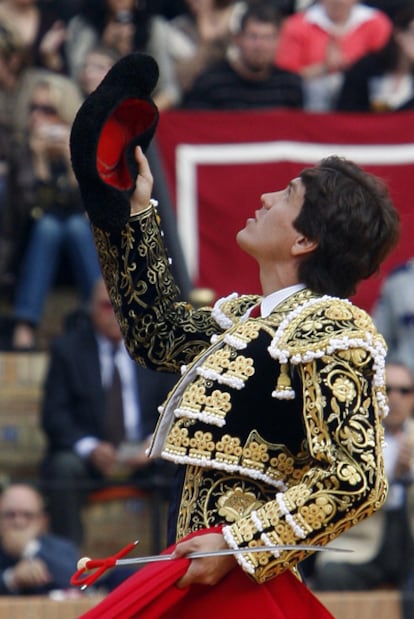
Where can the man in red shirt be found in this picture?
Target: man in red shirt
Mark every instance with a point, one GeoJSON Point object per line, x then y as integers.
{"type": "Point", "coordinates": [321, 42]}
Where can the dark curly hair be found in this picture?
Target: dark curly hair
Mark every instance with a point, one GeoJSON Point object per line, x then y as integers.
{"type": "Point", "coordinates": [350, 214]}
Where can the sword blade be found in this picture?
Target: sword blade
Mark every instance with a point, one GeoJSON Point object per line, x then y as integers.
{"type": "Point", "coordinates": [231, 551]}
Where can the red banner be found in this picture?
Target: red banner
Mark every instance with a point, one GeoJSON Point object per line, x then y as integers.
{"type": "Point", "coordinates": [218, 163]}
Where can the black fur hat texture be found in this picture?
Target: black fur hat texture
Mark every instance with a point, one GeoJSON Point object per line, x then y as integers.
{"type": "Point", "coordinates": [118, 116]}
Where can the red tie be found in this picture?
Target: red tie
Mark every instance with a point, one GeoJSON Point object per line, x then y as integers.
{"type": "Point", "coordinates": [256, 311]}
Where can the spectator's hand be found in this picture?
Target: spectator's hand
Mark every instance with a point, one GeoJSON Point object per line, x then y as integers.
{"type": "Point", "coordinates": [209, 570]}
{"type": "Point", "coordinates": [103, 457]}
{"type": "Point", "coordinates": [142, 194]}
{"type": "Point", "coordinates": [51, 44]}
{"type": "Point", "coordinates": [50, 137]}
{"type": "Point", "coordinates": [30, 573]}
{"type": "Point", "coordinates": [334, 58]}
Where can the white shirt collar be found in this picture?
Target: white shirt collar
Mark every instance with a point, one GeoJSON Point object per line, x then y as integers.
{"type": "Point", "coordinates": [269, 303]}
{"type": "Point", "coordinates": [359, 14]}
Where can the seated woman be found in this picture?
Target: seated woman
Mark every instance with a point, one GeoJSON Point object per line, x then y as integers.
{"type": "Point", "coordinates": [59, 222]}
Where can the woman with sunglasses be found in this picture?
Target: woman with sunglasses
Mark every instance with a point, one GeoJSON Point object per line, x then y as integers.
{"type": "Point", "coordinates": [58, 221]}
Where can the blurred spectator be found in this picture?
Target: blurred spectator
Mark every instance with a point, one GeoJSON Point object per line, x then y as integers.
{"type": "Point", "coordinates": [248, 79]}
{"type": "Point", "coordinates": [127, 27]}
{"type": "Point", "coordinates": [382, 545]}
{"type": "Point", "coordinates": [59, 222]}
{"type": "Point", "coordinates": [383, 81]}
{"type": "Point", "coordinates": [11, 67]}
{"type": "Point", "coordinates": [41, 32]}
{"type": "Point", "coordinates": [82, 452]}
{"type": "Point", "coordinates": [96, 64]}
{"type": "Point", "coordinates": [32, 560]}
{"type": "Point", "coordinates": [324, 40]}
{"type": "Point", "coordinates": [393, 313]}
{"type": "Point", "coordinates": [17, 80]}
{"type": "Point", "coordinates": [200, 37]}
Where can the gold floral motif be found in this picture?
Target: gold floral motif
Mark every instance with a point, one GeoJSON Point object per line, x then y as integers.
{"type": "Point", "coordinates": [218, 360]}
{"type": "Point", "coordinates": [235, 504]}
{"type": "Point", "coordinates": [317, 513]}
{"type": "Point", "coordinates": [246, 529]}
{"type": "Point", "coordinates": [202, 441]}
{"type": "Point", "coordinates": [350, 474]}
{"type": "Point", "coordinates": [256, 452]}
{"type": "Point", "coordinates": [229, 445]}
{"type": "Point", "coordinates": [311, 325]}
{"type": "Point", "coordinates": [241, 367]}
{"type": "Point", "coordinates": [296, 496]}
{"type": "Point", "coordinates": [339, 312]}
{"type": "Point", "coordinates": [284, 533]}
{"type": "Point", "coordinates": [270, 515]}
{"type": "Point", "coordinates": [210, 497]}
{"type": "Point", "coordinates": [194, 396]}
{"type": "Point", "coordinates": [283, 463]}
{"type": "Point", "coordinates": [362, 319]}
{"type": "Point", "coordinates": [179, 437]}
{"type": "Point", "coordinates": [218, 403]}
{"type": "Point", "coordinates": [354, 355]}
{"type": "Point", "coordinates": [247, 331]}
{"type": "Point", "coordinates": [344, 390]}
{"type": "Point", "coordinates": [225, 361]}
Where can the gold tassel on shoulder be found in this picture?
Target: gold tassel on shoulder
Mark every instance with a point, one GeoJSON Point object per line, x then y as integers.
{"type": "Point", "coordinates": [283, 389]}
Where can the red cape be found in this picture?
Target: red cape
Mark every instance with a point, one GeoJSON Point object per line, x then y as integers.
{"type": "Point", "coordinates": [151, 594]}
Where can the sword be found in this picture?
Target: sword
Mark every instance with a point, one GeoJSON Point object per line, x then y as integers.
{"type": "Point", "coordinates": [99, 566]}
{"type": "Point", "coordinates": [229, 551]}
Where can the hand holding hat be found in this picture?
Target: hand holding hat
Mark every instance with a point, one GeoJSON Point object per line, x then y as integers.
{"type": "Point", "coordinates": [118, 116]}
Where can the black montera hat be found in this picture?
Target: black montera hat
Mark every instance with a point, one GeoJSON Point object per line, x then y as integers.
{"type": "Point", "coordinates": [118, 116]}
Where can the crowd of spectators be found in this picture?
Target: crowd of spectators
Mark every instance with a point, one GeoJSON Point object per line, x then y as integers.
{"type": "Point", "coordinates": [212, 54]}
{"type": "Point", "coordinates": [323, 55]}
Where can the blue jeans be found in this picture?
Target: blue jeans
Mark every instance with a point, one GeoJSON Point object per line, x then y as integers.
{"type": "Point", "coordinates": [50, 236]}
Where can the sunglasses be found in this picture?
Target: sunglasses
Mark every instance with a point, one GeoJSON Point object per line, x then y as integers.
{"type": "Point", "coordinates": [401, 390]}
{"type": "Point", "coordinates": [48, 110]}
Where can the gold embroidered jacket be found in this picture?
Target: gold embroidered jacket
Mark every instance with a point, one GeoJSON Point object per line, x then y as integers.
{"type": "Point", "coordinates": [277, 419]}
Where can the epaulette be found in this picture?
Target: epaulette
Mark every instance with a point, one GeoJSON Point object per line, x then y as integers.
{"type": "Point", "coordinates": [320, 327]}
{"type": "Point", "coordinates": [228, 311]}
